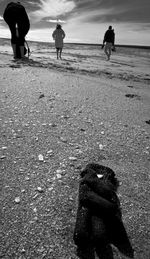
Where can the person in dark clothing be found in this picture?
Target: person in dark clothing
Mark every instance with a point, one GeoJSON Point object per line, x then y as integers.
{"type": "Point", "coordinates": [109, 41]}
{"type": "Point", "coordinates": [17, 19]}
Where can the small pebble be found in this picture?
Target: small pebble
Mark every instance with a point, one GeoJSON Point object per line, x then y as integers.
{"type": "Point", "coordinates": [50, 189]}
{"type": "Point", "coordinates": [58, 176]}
{"type": "Point", "coordinates": [39, 189]}
{"type": "Point", "coordinates": [4, 148]}
{"type": "Point", "coordinates": [58, 171]}
{"type": "Point", "coordinates": [17, 199]}
{"type": "Point", "coordinates": [63, 139]}
{"type": "Point", "coordinates": [41, 158]}
{"type": "Point", "coordinates": [23, 251]}
{"type": "Point", "coordinates": [50, 151]}
{"type": "Point", "coordinates": [101, 146]}
{"type": "Point", "coordinates": [72, 158]}
{"type": "Point", "coordinates": [35, 210]}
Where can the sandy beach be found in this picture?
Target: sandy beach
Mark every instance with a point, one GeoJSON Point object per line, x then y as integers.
{"type": "Point", "coordinates": [55, 117]}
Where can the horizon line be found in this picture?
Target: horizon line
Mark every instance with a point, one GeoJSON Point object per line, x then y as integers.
{"type": "Point", "coordinates": [94, 44]}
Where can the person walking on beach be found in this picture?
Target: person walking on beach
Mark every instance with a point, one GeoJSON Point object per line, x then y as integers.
{"type": "Point", "coordinates": [17, 19]}
{"type": "Point", "coordinates": [58, 35]}
{"type": "Point", "coordinates": [109, 41]}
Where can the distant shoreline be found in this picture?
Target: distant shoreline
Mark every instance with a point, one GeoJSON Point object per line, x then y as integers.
{"type": "Point", "coordinates": [117, 45]}
{"type": "Point", "coordinates": [87, 44]}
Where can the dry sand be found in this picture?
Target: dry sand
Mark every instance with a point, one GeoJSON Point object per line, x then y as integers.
{"type": "Point", "coordinates": [71, 111]}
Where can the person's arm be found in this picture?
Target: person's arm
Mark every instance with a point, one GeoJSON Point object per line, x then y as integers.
{"type": "Point", "coordinates": [113, 39]}
{"type": "Point", "coordinates": [63, 35]}
{"type": "Point", "coordinates": [104, 40]}
{"type": "Point", "coordinates": [53, 35]}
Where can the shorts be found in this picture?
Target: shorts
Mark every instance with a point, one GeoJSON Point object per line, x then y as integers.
{"type": "Point", "coordinates": [59, 49]}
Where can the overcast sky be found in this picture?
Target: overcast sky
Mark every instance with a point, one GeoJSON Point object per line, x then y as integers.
{"type": "Point", "coordinates": [86, 20]}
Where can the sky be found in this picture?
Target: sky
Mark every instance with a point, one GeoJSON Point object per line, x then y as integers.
{"type": "Point", "coordinates": [85, 21]}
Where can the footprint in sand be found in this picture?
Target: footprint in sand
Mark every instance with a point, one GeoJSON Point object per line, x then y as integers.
{"type": "Point", "coordinates": [133, 96]}
{"type": "Point", "coordinates": [130, 86]}
{"type": "Point", "coordinates": [14, 66]}
{"type": "Point", "coordinates": [41, 96]}
{"type": "Point", "coordinates": [148, 122]}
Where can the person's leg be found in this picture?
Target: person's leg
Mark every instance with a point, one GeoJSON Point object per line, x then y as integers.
{"type": "Point", "coordinates": [21, 40]}
{"type": "Point", "coordinates": [60, 53]}
{"type": "Point", "coordinates": [106, 50]}
{"type": "Point", "coordinates": [57, 51]}
{"type": "Point", "coordinates": [22, 51]}
{"type": "Point", "coordinates": [109, 50]}
{"type": "Point", "coordinates": [13, 39]}
{"type": "Point", "coordinates": [14, 48]}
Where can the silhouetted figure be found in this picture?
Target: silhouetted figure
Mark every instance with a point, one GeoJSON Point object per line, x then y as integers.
{"type": "Point", "coordinates": [17, 19]}
{"type": "Point", "coordinates": [109, 41]}
{"type": "Point", "coordinates": [99, 219]}
{"type": "Point", "coordinates": [58, 35]}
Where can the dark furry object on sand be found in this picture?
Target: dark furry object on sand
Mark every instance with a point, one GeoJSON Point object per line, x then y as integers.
{"type": "Point", "coordinates": [99, 219]}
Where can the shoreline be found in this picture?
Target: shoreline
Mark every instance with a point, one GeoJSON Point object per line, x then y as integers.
{"type": "Point", "coordinates": [89, 59]}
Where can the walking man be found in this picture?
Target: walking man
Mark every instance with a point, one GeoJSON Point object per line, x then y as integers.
{"type": "Point", "coordinates": [109, 41]}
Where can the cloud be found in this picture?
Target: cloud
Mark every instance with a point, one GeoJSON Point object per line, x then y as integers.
{"type": "Point", "coordinates": [55, 21]}
{"type": "Point", "coordinates": [94, 15]}
{"type": "Point", "coordinates": [108, 10]}
{"type": "Point", "coordinates": [87, 20]}
{"type": "Point", "coordinates": [52, 8]}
